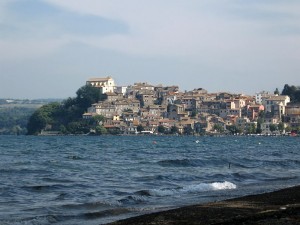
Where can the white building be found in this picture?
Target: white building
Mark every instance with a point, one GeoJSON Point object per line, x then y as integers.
{"type": "Point", "coordinates": [263, 94]}
{"type": "Point", "coordinates": [106, 84]}
{"type": "Point", "coordinates": [276, 104]}
{"type": "Point", "coordinates": [120, 89]}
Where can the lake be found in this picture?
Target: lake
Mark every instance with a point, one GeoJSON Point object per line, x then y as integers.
{"type": "Point", "coordinates": [99, 179]}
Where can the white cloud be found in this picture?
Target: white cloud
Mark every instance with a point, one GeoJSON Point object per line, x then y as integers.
{"type": "Point", "coordinates": [201, 30]}
{"type": "Point", "coordinates": [178, 28]}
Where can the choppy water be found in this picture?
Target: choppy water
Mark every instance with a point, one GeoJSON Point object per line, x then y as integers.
{"type": "Point", "coordinates": [95, 180]}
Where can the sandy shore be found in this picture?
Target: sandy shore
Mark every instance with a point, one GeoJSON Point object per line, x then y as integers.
{"type": "Point", "coordinates": [279, 207]}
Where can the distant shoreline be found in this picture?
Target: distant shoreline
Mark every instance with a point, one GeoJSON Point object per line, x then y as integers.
{"type": "Point", "coordinates": [171, 135]}
{"type": "Point", "coordinates": [277, 207]}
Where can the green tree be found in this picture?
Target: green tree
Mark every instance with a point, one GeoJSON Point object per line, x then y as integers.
{"type": "Point", "coordinates": [140, 128]}
{"type": "Point", "coordinates": [251, 129]}
{"type": "Point", "coordinates": [161, 129]}
{"type": "Point", "coordinates": [114, 131]}
{"type": "Point", "coordinates": [194, 113]}
{"type": "Point", "coordinates": [78, 127]}
{"type": "Point", "coordinates": [13, 120]}
{"type": "Point", "coordinates": [87, 95]}
{"type": "Point", "coordinates": [188, 130]}
{"type": "Point", "coordinates": [276, 92]}
{"type": "Point", "coordinates": [68, 113]}
{"type": "Point", "coordinates": [233, 129]}
{"type": "Point", "coordinates": [218, 127]}
{"type": "Point", "coordinates": [292, 91]}
{"type": "Point", "coordinates": [63, 129]}
{"type": "Point", "coordinates": [174, 130]}
{"type": "Point", "coordinates": [98, 119]}
{"type": "Point", "coordinates": [42, 117]}
{"type": "Point", "coordinates": [281, 127]}
{"type": "Point", "coordinates": [260, 120]}
{"type": "Point", "coordinates": [273, 127]}
{"type": "Point", "coordinates": [101, 130]}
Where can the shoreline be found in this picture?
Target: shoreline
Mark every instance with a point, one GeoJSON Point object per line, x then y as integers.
{"type": "Point", "coordinates": [277, 207]}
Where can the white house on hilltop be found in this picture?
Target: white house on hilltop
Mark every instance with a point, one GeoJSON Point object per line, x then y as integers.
{"type": "Point", "coordinates": [105, 85]}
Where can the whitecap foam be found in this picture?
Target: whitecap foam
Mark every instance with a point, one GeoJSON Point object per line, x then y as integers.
{"type": "Point", "coordinates": [223, 185]}
{"type": "Point", "coordinates": [194, 188]}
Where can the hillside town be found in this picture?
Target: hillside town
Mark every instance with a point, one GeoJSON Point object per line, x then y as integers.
{"type": "Point", "coordinates": [150, 109]}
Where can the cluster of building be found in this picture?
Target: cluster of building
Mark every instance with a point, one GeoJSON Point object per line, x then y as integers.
{"type": "Point", "coordinates": [126, 108]}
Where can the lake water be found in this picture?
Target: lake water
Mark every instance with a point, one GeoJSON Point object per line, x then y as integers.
{"type": "Point", "coordinates": [95, 180]}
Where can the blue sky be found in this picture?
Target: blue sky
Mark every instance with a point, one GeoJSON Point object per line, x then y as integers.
{"type": "Point", "coordinates": [49, 48]}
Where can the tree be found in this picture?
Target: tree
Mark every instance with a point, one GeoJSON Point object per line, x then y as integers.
{"type": "Point", "coordinates": [234, 129]}
{"type": "Point", "coordinates": [188, 130]}
{"type": "Point", "coordinates": [161, 129]}
{"type": "Point", "coordinates": [174, 130]}
{"type": "Point", "coordinates": [281, 127]}
{"type": "Point", "coordinates": [63, 129]}
{"type": "Point", "coordinates": [68, 113]}
{"type": "Point", "coordinates": [218, 127]}
{"type": "Point", "coordinates": [292, 91]}
{"type": "Point", "coordinates": [251, 129]}
{"type": "Point", "coordinates": [260, 120]}
{"type": "Point", "coordinates": [258, 128]}
{"type": "Point", "coordinates": [78, 127]}
{"type": "Point", "coordinates": [273, 127]}
{"type": "Point", "coordinates": [98, 119]}
{"type": "Point", "coordinates": [288, 129]}
{"type": "Point", "coordinates": [101, 130]}
{"type": "Point", "coordinates": [86, 96]}
{"type": "Point", "coordinates": [114, 131]}
{"type": "Point", "coordinates": [14, 120]}
{"type": "Point", "coordinates": [42, 117]}
{"type": "Point", "coordinates": [276, 92]}
{"type": "Point", "coordinates": [140, 128]}
{"type": "Point", "coordinates": [194, 113]}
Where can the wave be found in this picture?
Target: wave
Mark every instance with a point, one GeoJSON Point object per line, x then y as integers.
{"type": "Point", "coordinates": [43, 187]}
{"type": "Point", "coordinates": [194, 188]}
{"type": "Point", "coordinates": [37, 220]}
{"type": "Point", "coordinates": [182, 163]}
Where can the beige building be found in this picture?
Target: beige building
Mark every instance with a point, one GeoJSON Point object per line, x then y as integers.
{"type": "Point", "coordinates": [224, 113]}
{"type": "Point", "coordinates": [276, 104]}
{"type": "Point", "coordinates": [105, 85]}
{"type": "Point", "coordinates": [293, 115]}
{"type": "Point", "coordinates": [176, 112]}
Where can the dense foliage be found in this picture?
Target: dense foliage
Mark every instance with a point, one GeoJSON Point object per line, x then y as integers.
{"type": "Point", "coordinates": [66, 117]}
{"type": "Point", "coordinates": [13, 120]}
{"type": "Point", "coordinates": [293, 92]}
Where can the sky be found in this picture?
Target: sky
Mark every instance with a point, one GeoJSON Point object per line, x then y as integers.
{"type": "Point", "coordinates": [49, 48]}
